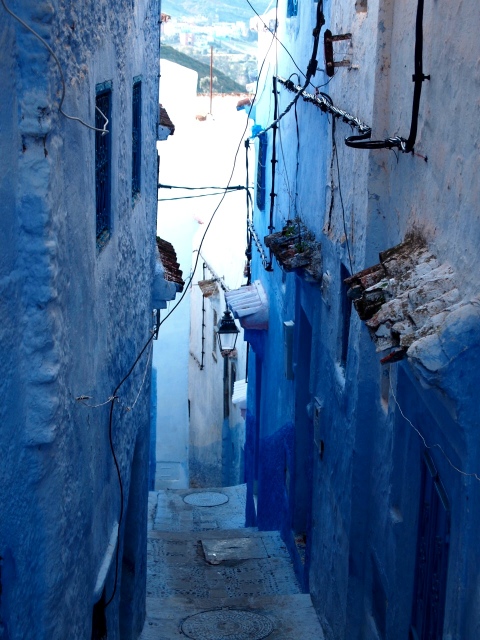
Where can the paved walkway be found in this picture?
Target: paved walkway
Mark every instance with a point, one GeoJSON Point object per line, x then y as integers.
{"type": "Point", "coordinates": [210, 578]}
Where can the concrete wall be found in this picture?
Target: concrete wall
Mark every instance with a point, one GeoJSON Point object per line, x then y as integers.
{"type": "Point", "coordinates": [355, 489]}
{"type": "Point", "coordinates": [73, 320]}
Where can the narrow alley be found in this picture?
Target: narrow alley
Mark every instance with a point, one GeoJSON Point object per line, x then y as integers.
{"type": "Point", "coordinates": [210, 578]}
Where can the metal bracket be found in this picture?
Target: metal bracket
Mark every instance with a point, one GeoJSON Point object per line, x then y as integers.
{"type": "Point", "coordinates": [328, 40]}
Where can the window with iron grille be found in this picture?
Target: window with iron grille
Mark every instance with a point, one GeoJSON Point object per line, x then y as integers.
{"type": "Point", "coordinates": [103, 162]}
{"type": "Point", "coordinates": [136, 136]}
{"type": "Point", "coordinates": [261, 170]}
{"type": "Point", "coordinates": [292, 8]}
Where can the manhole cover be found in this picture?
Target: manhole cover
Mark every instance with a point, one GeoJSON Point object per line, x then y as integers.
{"type": "Point", "coordinates": [227, 625]}
{"type": "Point", "coordinates": [206, 499]}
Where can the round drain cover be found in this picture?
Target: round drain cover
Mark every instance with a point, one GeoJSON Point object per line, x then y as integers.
{"type": "Point", "coordinates": [206, 499]}
{"type": "Point", "coordinates": [225, 624]}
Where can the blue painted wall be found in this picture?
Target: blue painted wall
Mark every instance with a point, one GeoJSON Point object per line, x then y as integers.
{"type": "Point", "coordinates": [368, 426]}
{"type": "Point", "coordinates": [73, 320]}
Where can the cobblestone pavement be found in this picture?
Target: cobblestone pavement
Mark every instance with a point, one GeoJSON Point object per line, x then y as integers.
{"type": "Point", "coordinates": [210, 578]}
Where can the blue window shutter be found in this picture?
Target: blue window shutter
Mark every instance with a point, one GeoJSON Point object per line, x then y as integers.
{"type": "Point", "coordinates": [261, 170]}
{"type": "Point", "coordinates": [136, 137]}
{"type": "Point", "coordinates": [103, 162]}
{"type": "Point", "coordinates": [292, 8]}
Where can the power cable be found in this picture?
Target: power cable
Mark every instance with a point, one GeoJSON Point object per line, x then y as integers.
{"type": "Point", "coordinates": [103, 131]}
{"type": "Point", "coordinates": [431, 446]}
{"type": "Point", "coordinates": [192, 273]}
{"type": "Point", "coordinates": [238, 187]}
{"type": "Point", "coordinates": [311, 69]}
{"type": "Point", "coordinates": [335, 153]}
{"type": "Point", "coordinates": [275, 35]}
{"type": "Point", "coordinates": [325, 104]}
{"type": "Point", "coordinates": [405, 146]}
{"type": "Point", "coordinates": [297, 167]}
{"type": "Point", "coordinates": [200, 195]}
{"type": "Point", "coordinates": [117, 466]}
{"type": "Point", "coordinates": [363, 139]}
{"type": "Point", "coordinates": [285, 173]}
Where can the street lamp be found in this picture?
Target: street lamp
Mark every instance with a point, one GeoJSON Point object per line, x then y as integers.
{"type": "Point", "coordinates": [227, 333]}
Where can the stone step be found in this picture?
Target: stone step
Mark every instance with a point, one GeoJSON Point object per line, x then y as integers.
{"type": "Point", "coordinates": [246, 532]}
{"type": "Point", "coordinates": [204, 564]}
{"type": "Point", "coordinates": [199, 509]}
{"type": "Point", "coordinates": [281, 617]}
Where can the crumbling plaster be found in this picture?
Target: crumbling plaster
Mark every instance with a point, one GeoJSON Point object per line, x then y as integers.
{"type": "Point", "coordinates": [367, 474]}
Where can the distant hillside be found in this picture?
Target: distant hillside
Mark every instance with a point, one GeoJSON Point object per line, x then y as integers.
{"type": "Point", "coordinates": [221, 10]}
{"type": "Point", "coordinates": [223, 84]}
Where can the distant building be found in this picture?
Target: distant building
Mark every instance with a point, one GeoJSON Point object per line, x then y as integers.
{"type": "Point", "coordinates": [78, 247]}
{"type": "Point", "coordinates": [187, 39]}
{"type": "Point", "coordinates": [217, 427]}
{"type": "Point", "coordinates": [362, 421]}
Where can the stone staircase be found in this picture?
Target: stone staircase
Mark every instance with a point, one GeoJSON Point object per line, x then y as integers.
{"type": "Point", "coordinates": [210, 578]}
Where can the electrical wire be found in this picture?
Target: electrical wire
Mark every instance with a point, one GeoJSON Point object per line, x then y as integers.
{"type": "Point", "coordinates": [200, 195]}
{"type": "Point", "coordinates": [335, 153]}
{"type": "Point", "coordinates": [104, 130]}
{"type": "Point", "coordinates": [363, 139]}
{"type": "Point", "coordinates": [82, 399]}
{"type": "Point", "coordinates": [431, 446]}
{"type": "Point", "coordinates": [192, 273]}
{"type": "Point", "coordinates": [405, 146]}
{"type": "Point", "coordinates": [325, 104]}
{"type": "Point", "coordinates": [117, 466]}
{"type": "Point", "coordinates": [297, 167]}
{"type": "Point", "coordinates": [238, 187]}
{"type": "Point", "coordinates": [312, 65]}
{"type": "Point", "coordinates": [143, 380]}
{"type": "Point", "coordinates": [275, 35]}
{"type": "Point", "coordinates": [111, 400]}
{"type": "Point", "coordinates": [285, 173]}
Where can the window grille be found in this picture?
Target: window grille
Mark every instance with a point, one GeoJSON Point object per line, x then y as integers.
{"type": "Point", "coordinates": [214, 333]}
{"type": "Point", "coordinates": [136, 136]}
{"type": "Point", "coordinates": [261, 170]}
{"type": "Point", "coordinates": [103, 162]}
{"type": "Point", "coordinates": [292, 8]}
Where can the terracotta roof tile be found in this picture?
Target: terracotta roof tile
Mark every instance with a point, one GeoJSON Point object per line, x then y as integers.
{"type": "Point", "coordinates": [165, 120]}
{"type": "Point", "coordinates": [208, 287]}
{"type": "Point", "coordinates": [405, 297]}
{"type": "Point", "coordinates": [168, 258]}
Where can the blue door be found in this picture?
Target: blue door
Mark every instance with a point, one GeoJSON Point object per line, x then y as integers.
{"type": "Point", "coordinates": [432, 557]}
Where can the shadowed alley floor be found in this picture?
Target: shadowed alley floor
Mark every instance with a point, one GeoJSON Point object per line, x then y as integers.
{"type": "Point", "coordinates": [210, 578]}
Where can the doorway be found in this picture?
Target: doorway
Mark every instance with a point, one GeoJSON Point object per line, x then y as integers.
{"type": "Point", "coordinates": [303, 440]}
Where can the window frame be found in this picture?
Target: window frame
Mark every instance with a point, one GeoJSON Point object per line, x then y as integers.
{"type": "Point", "coordinates": [136, 138]}
{"type": "Point", "coordinates": [103, 163]}
{"type": "Point", "coordinates": [261, 170]}
{"type": "Point", "coordinates": [292, 8]}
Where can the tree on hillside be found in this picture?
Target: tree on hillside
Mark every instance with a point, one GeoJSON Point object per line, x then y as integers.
{"type": "Point", "coordinates": [205, 83]}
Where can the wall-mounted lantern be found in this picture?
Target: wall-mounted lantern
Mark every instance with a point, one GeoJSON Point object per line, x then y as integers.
{"type": "Point", "coordinates": [227, 333]}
